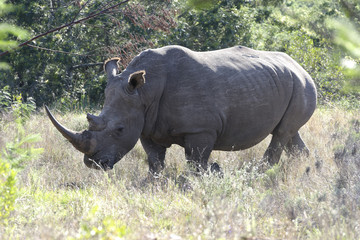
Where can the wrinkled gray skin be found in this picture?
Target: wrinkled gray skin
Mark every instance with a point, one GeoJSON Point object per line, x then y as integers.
{"type": "Point", "coordinates": [229, 99]}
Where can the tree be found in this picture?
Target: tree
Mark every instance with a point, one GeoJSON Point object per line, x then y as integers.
{"type": "Point", "coordinates": [298, 28]}
{"type": "Point", "coordinates": [347, 36]}
{"type": "Point", "coordinates": [8, 33]}
{"type": "Point", "coordinates": [66, 66]}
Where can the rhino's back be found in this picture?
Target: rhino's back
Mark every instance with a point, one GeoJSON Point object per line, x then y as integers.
{"type": "Point", "coordinates": [238, 94]}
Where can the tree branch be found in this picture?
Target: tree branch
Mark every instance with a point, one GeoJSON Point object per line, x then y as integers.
{"type": "Point", "coordinates": [66, 25]}
{"type": "Point", "coordinates": [81, 8]}
{"type": "Point", "coordinates": [87, 65]}
{"type": "Point", "coordinates": [57, 51]}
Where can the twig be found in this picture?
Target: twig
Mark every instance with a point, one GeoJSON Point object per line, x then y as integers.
{"type": "Point", "coordinates": [103, 6]}
{"type": "Point", "coordinates": [57, 51]}
{"type": "Point", "coordinates": [65, 25]}
{"type": "Point", "coordinates": [81, 8]}
{"type": "Point", "coordinates": [87, 65]}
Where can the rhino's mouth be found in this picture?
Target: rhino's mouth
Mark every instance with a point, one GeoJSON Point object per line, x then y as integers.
{"type": "Point", "coordinates": [104, 163]}
{"type": "Point", "coordinates": [98, 165]}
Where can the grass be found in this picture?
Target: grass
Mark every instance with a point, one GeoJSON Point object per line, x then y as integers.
{"type": "Point", "coordinates": [315, 197]}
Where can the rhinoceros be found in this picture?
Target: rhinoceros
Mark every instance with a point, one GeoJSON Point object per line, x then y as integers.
{"type": "Point", "coordinates": [229, 99]}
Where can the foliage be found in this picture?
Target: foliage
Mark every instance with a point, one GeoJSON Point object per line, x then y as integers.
{"type": "Point", "coordinates": [109, 228]}
{"type": "Point", "coordinates": [336, 23]}
{"type": "Point", "coordinates": [201, 4]}
{"type": "Point", "coordinates": [15, 154]}
{"type": "Point", "coordinates": [314, 59]}
{"type": "Point", "coordinates": [67, 70]}
{"type": "Point", "coordinates": [8, 32]}
{"type": "Point", "coordinates": [20, 150]}
{"type": "Point", "coordinates": [298, 28]}
{"type": "Point", "coordinates": [347, 35]}
{"type": "Point", "coordinates": [8, 188]}
{"type": "Point", "coordinates": [219, 27]}
{"type": "Point", "coordinates": [8, 191]}
{"type": "Point", "coordinates": [68, 66]}
{"type": "Point", "coordinates": [5, 98]}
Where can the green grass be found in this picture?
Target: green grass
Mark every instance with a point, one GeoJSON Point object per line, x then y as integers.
{"type": "Point", "coordinates": [315, 197]}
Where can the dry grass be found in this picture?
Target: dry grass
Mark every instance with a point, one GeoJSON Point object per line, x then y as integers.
{"type": "Point", "coordinates": [302, 198]}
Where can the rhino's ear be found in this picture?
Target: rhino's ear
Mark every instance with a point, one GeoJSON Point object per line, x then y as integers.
{"type": "Point", "coordinates": [136, 80]}
{"type": "Point", "coordinates": [111, 67]}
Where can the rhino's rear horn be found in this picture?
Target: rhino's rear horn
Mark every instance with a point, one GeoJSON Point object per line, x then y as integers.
{"type": "Point", "coordinates": [75, 138]}
{"type": "Point", "coordinates": [95, 123]}
{"type": "Point", "coordinates": [111, 67]}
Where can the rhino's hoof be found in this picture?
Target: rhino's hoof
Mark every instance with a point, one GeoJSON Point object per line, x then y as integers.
{"type": "Point", "coordinates": [216, 169]}
{"type": "Point", "coordinates": [184, 183]}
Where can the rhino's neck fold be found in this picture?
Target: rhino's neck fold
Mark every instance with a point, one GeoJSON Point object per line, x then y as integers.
{"type": "Point", "coordinates": [151, 109]}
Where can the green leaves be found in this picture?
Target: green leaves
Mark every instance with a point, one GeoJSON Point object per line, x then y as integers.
{"type": "Point", "coordinates": [8, 191]}
{"type": "Point", "coordinates": [347, 36]}
{"type": "Point", "coordinates": [4, 7]}
{"type": "Point", "coordinates": [9, 33]}
{"type": "Point", "coordinates": [202, 4]}
{"type": "Point", "coordinates": [15, 153]}
{"type": "Point", "coordinates": [20, 150]}
{"type": "Point", "coordinates": [299, 28]}
{"type": "Point", "coordinates": [223, 25]}
{"type": "Point", "coordinates": [53, 69]}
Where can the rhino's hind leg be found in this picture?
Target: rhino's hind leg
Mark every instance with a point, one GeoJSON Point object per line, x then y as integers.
{"type": "Point", "coordinates": [297, 146]}
{"type": "Point", "coordinates": [276, 147]}
{"type": "Point", "coordinates": [292, 145]}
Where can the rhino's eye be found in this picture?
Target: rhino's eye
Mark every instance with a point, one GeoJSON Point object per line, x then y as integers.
{"type": "Point", "coordinates": [117, 132]}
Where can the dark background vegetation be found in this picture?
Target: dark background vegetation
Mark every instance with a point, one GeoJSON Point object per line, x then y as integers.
{"type": "Point", "coordinates": [64, 68]}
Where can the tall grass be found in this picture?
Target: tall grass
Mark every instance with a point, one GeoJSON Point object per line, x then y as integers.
{"type": "Point", "coordinates": [315, 197]}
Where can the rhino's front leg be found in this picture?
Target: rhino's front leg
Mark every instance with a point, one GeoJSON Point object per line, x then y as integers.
{"type": "Point", "coordinates": [198, 148]}
{"type": "Point", "coordinates": [156, 155]}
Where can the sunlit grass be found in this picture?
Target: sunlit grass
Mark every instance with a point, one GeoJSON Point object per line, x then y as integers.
{"type": "Point", "coordinates": [315, 197]}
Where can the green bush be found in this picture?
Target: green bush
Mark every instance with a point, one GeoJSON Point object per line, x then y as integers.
{"type": "Point", "coordinates": [313, 56]}
{"type": "Point", "coordinates": [109, 228]}
{"type": "Point", "coordinates": [8, 191]}
{"type": "Point", "coordinates": [5, 99]}
{"type": "Point", "coordinates": [20, 150]}
{"type": "Point", "coordinates": [15, 154]}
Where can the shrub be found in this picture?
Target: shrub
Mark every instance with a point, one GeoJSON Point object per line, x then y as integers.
{"type": "Point", "coordinates": [20, 149]}
{"type": "Point", "coordinates": [15, 153]}
{"type": "Point", "coordinates": [7, 191]}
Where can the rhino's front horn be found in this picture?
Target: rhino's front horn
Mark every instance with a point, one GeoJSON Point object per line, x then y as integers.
{"type": "Point", "coordinates": [76, 139]}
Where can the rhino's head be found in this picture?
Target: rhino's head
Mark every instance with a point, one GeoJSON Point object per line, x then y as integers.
{"type": "Point", "coordinates": [116, 130]}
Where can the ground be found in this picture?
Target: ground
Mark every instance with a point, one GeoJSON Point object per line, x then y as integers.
{"type": "Point", "coordinates": [315, 197]}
